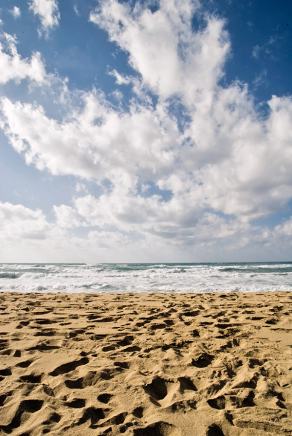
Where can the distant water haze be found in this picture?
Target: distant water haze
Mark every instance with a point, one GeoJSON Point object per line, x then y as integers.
{"type": "Point", "coordinates": [146, 277]}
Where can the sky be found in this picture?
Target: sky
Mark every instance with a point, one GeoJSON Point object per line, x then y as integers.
{"type": "Point", "coordinates": [145, 131]}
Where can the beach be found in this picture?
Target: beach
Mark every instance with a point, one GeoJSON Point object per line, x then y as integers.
{"type": "Point", "coordinates": [146, 364]}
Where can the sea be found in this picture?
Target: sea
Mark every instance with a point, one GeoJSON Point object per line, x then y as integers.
{"type": "Point", "coordinates": [145, 277]}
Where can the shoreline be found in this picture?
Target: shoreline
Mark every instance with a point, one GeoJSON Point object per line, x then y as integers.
{"type": "Point", "coordinates": [144, 292]}
{"type": "Point", "coordinates": [161, 363]}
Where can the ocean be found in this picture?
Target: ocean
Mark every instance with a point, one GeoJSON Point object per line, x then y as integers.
{"type": "Point", "coordinates": [146, 277]}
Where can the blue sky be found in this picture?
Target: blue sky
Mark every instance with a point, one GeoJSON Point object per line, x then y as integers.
{"type": "Point", "coordinates": [145, 131]}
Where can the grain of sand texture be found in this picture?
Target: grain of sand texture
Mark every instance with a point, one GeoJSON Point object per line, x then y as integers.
{"type": "Point", "coordinates": [146, 364]}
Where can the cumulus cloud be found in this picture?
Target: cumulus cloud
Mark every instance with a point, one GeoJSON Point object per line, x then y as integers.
{"type": "Point", "coordinates": [95, 142]}
{"type": "Point", "coordinates": [48, 13]}
{"type": "Point", "coordinates": [151, 216]}
{"type": "Point", "coordinates": [187, 63]}
{"type": "Point", "coordinates": [26, 235]}
{"type": "Point", "coordinates": [196, 165]}
{"type": "Point", "coordinates": [19, 222]}
{"type": "Point", "coordinates": [66, 217]}
{"type": "Point", "coordinates": [14, 67]}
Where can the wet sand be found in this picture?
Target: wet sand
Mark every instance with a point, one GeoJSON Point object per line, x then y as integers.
{"type": "Point", "coordinates": [146, 364]}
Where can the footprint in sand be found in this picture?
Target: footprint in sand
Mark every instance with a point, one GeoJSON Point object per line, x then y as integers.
{"type": "Point", "coordinates": [214, 430]}
{"type": "Point", "coordinates": [159, 428]}
{"type": "Point", "coordinates": [138, 412]}
{"type": "Point", "coordinates": [93, 415]}
{"type": "Point", "coordinates": [157, 389]}
{"type": "Point", "coordinates": [76, 403]}
{"type": "Point", "coordinates": [80, 383]}
{"type": "Point", "coordinates": [186, 384]}
{"type": "Point", "coordinates": [5, 372]}
{"type": "Point", "coordinates": [3, 397]}
{"type": "Point", "coordinates": [203, 360]}
{"type": "Point", "coordinates": [217, 403]}
{"type": "Point", "coordinates": [26, 406]}
{"type": "Point", "coordinates": [31, 378]}
{"type": "Point", "coordinates": [24, 364]}
{"type": "Point", "coordinates": [68, 367]}
{"type": "Point", "coordinates": [122, 365]}
{"type": "Point", "coordinates": [104, 398]}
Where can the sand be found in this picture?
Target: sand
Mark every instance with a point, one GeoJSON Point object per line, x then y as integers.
{"type": "Point", "coordinates": [146, 364]}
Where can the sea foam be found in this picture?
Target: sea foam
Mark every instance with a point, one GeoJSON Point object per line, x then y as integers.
{"type": "Point", "coordinates": [179, 277]}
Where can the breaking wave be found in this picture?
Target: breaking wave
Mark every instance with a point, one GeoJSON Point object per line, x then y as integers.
{"type": "Point", "coordinates": [146, 277]}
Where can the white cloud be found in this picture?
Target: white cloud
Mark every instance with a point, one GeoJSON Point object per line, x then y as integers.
{"type": "Point", "coordinates": [15, 12]}
{"type": "Point", "coordinates": [151, 216]}
{"type": "Point", "coordinates": [26, 235]}
{"type": "Point", "coordinates": [187, 63]}
{"type": "Point", "coordinates": [284, 229]}
{"type": "Point", "coordinates": [76, 10]}
{"type": "Point", "coordinates": [14, 67]}
{"type": "Point", "coordinates": [19, 222]}
{"type": "Point", "coordinates": [225, 165]}
{"type": "Point", "coordinates": [48, 13]}
{"type": "Point", "coordinates": [95, 142]}
{"type": "Point", "coordinates": [66, 217]}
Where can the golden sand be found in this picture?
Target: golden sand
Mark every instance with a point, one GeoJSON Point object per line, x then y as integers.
{"type": "Point", "coordinates": [146, 364]}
